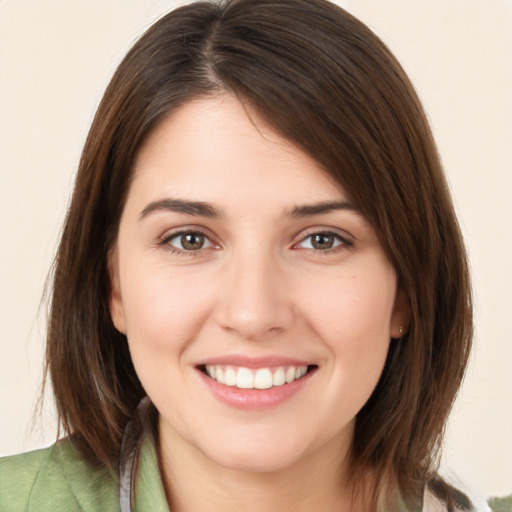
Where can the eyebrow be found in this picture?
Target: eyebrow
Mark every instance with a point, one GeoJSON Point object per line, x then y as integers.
{"type": "Point", "coordinates": [202, 209]}
{"type": "Point", "coordinates": [321, 208]}
{"type": "Point", "coordinates": [196, 208]}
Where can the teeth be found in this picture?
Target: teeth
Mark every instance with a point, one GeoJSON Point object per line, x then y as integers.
{"type": "Point", "coordinates": [263, 378]}
{"type": "Point", "coordinates": [244, 379]}
{"type": "Point", "coordinates": [290, 374]}
{"type": "Point", "coordinates": [279, 377]}
{"type": "Point", "coordinates": [230, 377]}
{"type": "Point", "coordinates": [300, 372]}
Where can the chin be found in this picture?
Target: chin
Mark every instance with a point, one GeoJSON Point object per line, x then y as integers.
{"type": "Point", "coordinates": [257, 454]}
{"type": "Point", "coordinates": [256, 462]}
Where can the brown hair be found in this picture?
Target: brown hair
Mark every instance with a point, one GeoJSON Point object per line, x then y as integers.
{"type": "Point", "coordinates": [327, 83]}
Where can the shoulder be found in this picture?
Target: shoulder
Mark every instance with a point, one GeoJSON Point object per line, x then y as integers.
{"type": "Point", "coordinates": [501, 504]}
{"type": "Point", "coordinates": [439, 494]}
{"type": "Point", "coordinates": [55, 479]}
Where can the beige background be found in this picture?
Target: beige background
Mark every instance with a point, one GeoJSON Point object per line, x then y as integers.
{"type": "Point", "coordinates": [55, 60]}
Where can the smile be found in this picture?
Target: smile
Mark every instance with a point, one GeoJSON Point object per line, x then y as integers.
{"type": "Point", "coordinates": [261, 378]}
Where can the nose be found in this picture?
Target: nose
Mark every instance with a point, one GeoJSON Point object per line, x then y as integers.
{"type": "Point", "coordinates": [255, 303]}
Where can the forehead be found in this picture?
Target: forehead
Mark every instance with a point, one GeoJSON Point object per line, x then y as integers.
{"type": "Point", "coordinates": [218, 148]}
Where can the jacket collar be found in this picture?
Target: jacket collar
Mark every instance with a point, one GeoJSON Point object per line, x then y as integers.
{"type": "Point", "coordinates": [140, 481]}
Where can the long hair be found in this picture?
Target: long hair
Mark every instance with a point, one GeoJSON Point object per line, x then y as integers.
{"type": "Point", "coordinates": [324, 81]}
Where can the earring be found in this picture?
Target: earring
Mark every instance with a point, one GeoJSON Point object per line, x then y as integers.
{"type": "Point", "coordinates": [400, 330]}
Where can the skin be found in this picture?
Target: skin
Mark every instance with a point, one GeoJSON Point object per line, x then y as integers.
{"type": "Point", "coordinates": [257, 287]}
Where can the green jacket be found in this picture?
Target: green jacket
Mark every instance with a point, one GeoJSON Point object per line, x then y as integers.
{"type": "Point", "coordinates": [59, 479]}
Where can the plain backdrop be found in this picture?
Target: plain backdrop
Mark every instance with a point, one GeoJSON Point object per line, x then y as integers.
{"type": "Point", "coordinates": [56, 58]}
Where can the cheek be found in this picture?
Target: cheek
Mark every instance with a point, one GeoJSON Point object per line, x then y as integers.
{"type": "Point", "coordinates": [351, 315]}
{"type": "Point", "coordinates": [352, 321]}
{"type": "Point", "coordinates": [164, 312]}
{"type": "Point", "coordinates": [354, 307]}
{"type": "Point", "coordinates": [163, 309]}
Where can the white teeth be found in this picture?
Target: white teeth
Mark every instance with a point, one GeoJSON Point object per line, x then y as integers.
{"type": "Point", "coordinates": [244, 379]}
{"type": "Point", "coordinates": [300, 371]}
{"type": "Point", "coordinates": [219, 376]}
{"type": "Point", "coordinates": [230, 377]}
{"type": "Point", "coordinates": [263, 378]}
{"type": "Point", "coordinates": [279, 378]}
{"type": "Point", "coordinates": [290, 374]}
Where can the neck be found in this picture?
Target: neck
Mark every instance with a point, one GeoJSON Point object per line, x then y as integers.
{"type": "Point", "coordinates": [318, 482]}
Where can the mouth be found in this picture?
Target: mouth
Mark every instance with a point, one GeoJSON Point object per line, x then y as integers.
{"type": "Point", "coordinates": [256, 378]}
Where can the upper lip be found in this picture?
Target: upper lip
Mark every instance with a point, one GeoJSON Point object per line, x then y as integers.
{"type": "Point", "coordinates": [244, 361]}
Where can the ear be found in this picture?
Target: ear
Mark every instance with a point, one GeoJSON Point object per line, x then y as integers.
{"type": "Point", "coordinates": [115, 301]}
{"type": "Point", "coordinates": [400, 318]}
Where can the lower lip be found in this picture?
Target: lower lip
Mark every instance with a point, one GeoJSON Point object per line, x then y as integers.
{"type": "Point", "coordinates": [255, 399]}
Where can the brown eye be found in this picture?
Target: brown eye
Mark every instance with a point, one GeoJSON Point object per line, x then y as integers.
{"type": "Point", "coordinates": [189, 241]}
{"type": "Point", "coordinates": [322, 241]}
{"type": "Point", "coordinates": [192, 241]}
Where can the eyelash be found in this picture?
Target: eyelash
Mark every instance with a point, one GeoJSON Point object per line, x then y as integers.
{"type": "Point", "coordinates": [344, 242]}
{"type": "Point", "coordinates": [165, 241]}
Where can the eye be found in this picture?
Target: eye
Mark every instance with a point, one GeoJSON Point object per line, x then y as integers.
{"type": "Point", "coordinates": [188, 241]}
{"type": "Point", "coordinates": [324, 241]}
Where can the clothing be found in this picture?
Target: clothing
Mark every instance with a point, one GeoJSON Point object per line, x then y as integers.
{"type": "Point", "coordinates": [59, 479]}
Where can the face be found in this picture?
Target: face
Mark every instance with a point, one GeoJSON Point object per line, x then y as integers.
{"type": "Point", "coordinates": [257, 301]}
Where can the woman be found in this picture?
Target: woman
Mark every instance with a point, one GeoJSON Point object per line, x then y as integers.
{"type": "Point", "coordinates": [261, 298]}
